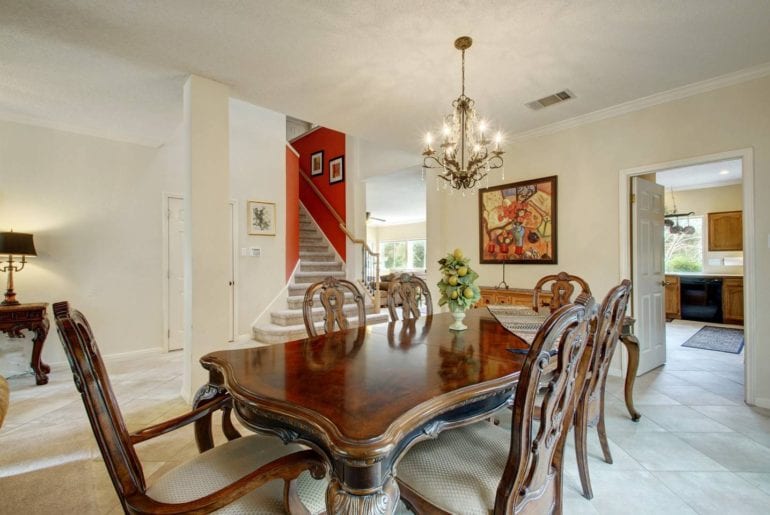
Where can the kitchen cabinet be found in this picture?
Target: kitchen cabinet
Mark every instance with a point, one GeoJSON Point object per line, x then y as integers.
{"type": "Point", "coordinates": [510, 296]}
{"type": "Point", "coordinates": [725, 231]}
{"type": "Point", "coordinates": [672, 296]}
{"type": "Point", "coordinates": [732, 300]}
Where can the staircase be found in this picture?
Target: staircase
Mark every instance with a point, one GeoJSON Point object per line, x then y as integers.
{"type": "Point", "coordinates": [317, 261]}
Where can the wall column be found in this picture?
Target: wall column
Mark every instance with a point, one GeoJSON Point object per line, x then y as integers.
{"type": "Point", "coordinates": [207, 226]}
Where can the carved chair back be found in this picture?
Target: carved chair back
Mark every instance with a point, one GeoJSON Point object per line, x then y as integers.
{"type": "Point", "coordinates": [331, 292]}
{"type": "Point", "coordinates": [561, 287]}
{"type": "Point", "coordinates": [94, 386]}
{"type": "Point", "coordinates": [531, 481]}
{"type": "Point", "coordinates": [604, 337]}
{"type": "Point", "coordinates": [412, 291]}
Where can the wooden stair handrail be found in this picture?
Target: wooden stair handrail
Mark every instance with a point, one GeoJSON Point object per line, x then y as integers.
{"type": "Point", "coordinates": [375, 295]}
{"type": "Point", "coordinates": [336, 216]}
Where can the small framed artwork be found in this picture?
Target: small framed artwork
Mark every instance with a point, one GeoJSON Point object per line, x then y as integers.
{"type": "Point", "coordinates": [518, 223]}
{"type": "Point", "coordinates": [261, 218]}
{"type": "Point", "coordinates": [337, 169]}
{"type": "Point", "coordinates": [317, 163]}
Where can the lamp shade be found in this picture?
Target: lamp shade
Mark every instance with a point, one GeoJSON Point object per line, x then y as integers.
{"type": "Point", "coordinates": [17, 244]}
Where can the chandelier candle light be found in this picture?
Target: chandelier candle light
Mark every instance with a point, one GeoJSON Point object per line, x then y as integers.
{"type": "Point", "coordinates": [463, 157]}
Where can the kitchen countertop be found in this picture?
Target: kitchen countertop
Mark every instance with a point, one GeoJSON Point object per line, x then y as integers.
{"type": "Point", "coordinates": [702, 274]}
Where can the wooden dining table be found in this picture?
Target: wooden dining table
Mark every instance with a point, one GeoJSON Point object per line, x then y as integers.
{"type": "Point", "coordinates": [363, 396]}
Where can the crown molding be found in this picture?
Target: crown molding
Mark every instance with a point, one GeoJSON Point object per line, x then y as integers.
{"type": "Point", "coordinates": [689, 90]}
{"type": "Point", "coordinates": [64, 127]}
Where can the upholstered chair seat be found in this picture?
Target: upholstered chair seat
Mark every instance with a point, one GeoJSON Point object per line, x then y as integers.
{"type": "Point", "coordinates": [4, 398]}
{"type": "Point", "coordinates": [224, 465]}
{"type": "Point", "coordinates": [459, 471]}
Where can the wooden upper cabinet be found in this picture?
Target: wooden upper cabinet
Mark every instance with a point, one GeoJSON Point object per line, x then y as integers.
{"type": "Point", "coordinates": [725, 231]}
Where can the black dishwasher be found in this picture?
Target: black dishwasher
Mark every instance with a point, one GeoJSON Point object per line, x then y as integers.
{"type": "Point", "coordinates": [701, 298]}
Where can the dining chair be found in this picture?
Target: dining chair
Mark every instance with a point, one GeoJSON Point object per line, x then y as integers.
{"type": "Point", "coordinates": [603, 339]}
{"type": "Point", "coordinates": [412, 292]}
{"type": "Point", "coordinates": [331, 293]}
{"type": "Point", "coordinates": [561, 288]}
{"type": "Point", "coordinates": [244, 475]}
{"type": "Point", "coordinates": [482, 468]}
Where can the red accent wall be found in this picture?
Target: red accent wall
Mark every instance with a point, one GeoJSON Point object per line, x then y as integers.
{"type": "Point", "coordinates": [292, 211]}
{"type": "Point", "coordinates": [333, 145]}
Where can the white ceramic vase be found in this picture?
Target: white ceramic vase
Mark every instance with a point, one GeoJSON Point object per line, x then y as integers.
{"type": "Point", "coordinates": [458, 314]}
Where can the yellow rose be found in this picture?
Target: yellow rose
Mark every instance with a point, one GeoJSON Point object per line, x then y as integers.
{"type": "Point", "coordinates": [462, 271]}
{"type": "Point", "coordinates": [452, 280]}
{"type": "Point", "coordinates": [453, 295]}
{"type": "Point", "coordinates": [458, 254]}
{"type": "Point", "coordinates": [468, 292]}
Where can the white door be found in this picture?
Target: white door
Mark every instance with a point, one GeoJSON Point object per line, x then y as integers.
{"type": "Point", "coordinates": [648, 272]}
{"type": "Point", "coordinates": [175, 275]}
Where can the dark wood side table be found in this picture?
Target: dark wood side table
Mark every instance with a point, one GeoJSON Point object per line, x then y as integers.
{"type": "Point", "coordinates": [631, 343]}
{"type": "Point", "coordinates": [33, 318]}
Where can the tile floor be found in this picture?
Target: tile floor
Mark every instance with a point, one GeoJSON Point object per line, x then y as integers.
{"type": "Point", "coordinates": [697, 448]}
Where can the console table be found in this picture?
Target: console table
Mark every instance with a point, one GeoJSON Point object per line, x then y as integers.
{"type": "Point", "coordinates": [32, 317]}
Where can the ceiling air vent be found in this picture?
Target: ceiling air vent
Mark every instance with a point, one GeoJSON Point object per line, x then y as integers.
{"type": "Point", "coordinates": [550, 100]}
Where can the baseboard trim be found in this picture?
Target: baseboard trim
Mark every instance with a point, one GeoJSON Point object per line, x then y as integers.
{"type": "Point", "coordinates": [762, 402]}
{"type": "Point", "coordinates": [118, 356]}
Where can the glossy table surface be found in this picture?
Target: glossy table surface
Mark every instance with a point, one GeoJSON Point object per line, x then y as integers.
{"type": "Point", "coordinates": [363, 396]}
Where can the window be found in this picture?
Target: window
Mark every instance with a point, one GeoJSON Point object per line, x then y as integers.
{"type": "Point", "coordinates": [402, 255]}
{"type": "Point", "coordinates": [684, 249]}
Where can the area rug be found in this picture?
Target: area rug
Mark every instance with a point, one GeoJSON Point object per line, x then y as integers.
{"type": "Point", "coordinates": [722, 339]}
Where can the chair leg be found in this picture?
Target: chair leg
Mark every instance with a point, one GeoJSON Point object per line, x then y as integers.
{"type": "Point", "coordinates": [602, 430]}
{"type": "Point", "coordinates": [581, 447]}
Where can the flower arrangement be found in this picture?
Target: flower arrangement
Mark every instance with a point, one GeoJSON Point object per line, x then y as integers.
{"type": "Point", "coordinates": [457, 284]}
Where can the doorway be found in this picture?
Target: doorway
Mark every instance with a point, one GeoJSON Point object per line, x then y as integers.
{"type": "Point", "coordinates": [173, 290]}
{"type": "Point", "coordinates": [628, 253]}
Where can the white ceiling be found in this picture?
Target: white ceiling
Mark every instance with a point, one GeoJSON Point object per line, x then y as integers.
{"type": "Point", "coordinates": [398, 198]}
{"type": "Point", "coordinates": [383, 71]}
{"type": "Point", "coordinates": [706, 175]}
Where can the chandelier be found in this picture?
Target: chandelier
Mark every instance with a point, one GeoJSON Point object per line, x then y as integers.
{"type": "Point", "coordinates": [463, 157]}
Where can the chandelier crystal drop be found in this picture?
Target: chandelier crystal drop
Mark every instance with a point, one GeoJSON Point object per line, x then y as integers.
{"type": "Point", "coordinates": [463, 157]}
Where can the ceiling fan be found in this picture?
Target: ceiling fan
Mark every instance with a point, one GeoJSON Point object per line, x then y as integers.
{"type": "Point", "coordinates": [370, 217]}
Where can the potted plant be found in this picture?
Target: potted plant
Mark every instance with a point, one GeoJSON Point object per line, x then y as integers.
{"type": "Point", "coordinates": [457, 287]}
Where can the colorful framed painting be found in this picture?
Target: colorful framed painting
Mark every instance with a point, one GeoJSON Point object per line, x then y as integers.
{"type": "Point", "coordinates": [517, 223]}
{"type": "Point", "coordinates": [261, 218]}
{"type": "Point", "coordinates": [337, 169]}
{"type": "Point", "coordinates": [317, 163]}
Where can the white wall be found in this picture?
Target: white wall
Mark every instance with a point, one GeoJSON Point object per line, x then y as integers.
{"type": "Point", "coordinates": [258, 172]}
{"type": "Point", "coordinates": [588, 160]}
{"type": "Point", "coordinates": [94, 208]}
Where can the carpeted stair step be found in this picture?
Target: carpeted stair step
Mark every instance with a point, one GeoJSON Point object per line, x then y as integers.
{"type": "Point", "coordinates": [314, 277]}
{"type": "Point", "coordinates": [288, 317]}
{"type": "Point", "coordinates": [295, 301]}
{"type": "Point", "coordinates": [313, 247]}
{"type": "Point", "coordinates": [272, 333]}
{"type": "Point", "coordinates": [311, 256]}
{"type": "Point", "coordinates": [320, 266]}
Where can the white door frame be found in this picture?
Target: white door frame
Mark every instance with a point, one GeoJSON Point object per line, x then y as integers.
{"type": "Point", "coordinates": [234, 266]}
{"type": "Point", "coordinates": [164, 268]}
{"type": "Point", "coordinates": [746, 155]}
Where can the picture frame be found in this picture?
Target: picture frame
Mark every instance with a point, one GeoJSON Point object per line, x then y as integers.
{"type": "Point", "coordinates": [518, 223]}
{"type": "Point", "coordinates": [260, 218]}
{"type": "Point", "coordinates": [317, 163]}
{"type": "Point", "coordinates": [337, 169]}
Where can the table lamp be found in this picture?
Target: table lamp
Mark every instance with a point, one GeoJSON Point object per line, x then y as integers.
{"type": "Point", "coordinates": [14, 244]}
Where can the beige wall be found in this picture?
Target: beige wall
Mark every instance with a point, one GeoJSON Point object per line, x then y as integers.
{"type": "Point", "coordinates": [94, 207]}
{"type": "Point", "coordinates": [588, 160]}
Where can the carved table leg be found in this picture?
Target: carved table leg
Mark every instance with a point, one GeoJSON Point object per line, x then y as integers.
{"type": "Point", "coordinates": [41, 369]}
{"type": "Point", "coordinates": [632, 347]}
{"type": "Point", "coordinates": [203, 437]}
{"type": "Point", "coordinates": [380, 502]}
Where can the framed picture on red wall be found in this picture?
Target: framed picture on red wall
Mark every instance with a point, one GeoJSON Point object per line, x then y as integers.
{"type": "Point", "coordinates": [317, 163]}
{"type": "Point", "coordinates": [337, 169]}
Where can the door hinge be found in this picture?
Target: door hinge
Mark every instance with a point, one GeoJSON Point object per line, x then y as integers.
{"type": "Point", "coordinates": [633, 198]}
{"type": "Point", "coordinates": [168, 333]}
